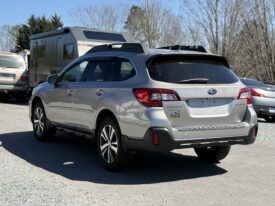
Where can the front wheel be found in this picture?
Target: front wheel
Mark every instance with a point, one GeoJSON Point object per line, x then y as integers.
{"type": "Point", "coordinates": [109, 145]}
{"type": "Point", "coordinates": [212, 154]}
{"type": "Point", "coordinates": [42, 128]}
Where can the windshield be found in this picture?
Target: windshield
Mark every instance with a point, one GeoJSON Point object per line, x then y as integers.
{"type": "Point", "coordinates": [11, 61]}
{"type": "Point", "coordinates": [177, 71]}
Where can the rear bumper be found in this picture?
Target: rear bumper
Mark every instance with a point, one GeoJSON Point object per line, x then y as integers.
{"type": "Point", "coordinates": [166, 142]}
{"type": "Point", "coordinates": [13, 88]}
{"type": "Point", "coordinates": [262, 105]}
{"type": "Point", "coordinates": [263, 110]}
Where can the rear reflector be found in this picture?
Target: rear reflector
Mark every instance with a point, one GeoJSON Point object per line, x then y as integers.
{"type": "Point", "coordinates": [155, 139]}
{"type": "Point", "coordinates": [154, 97]}
{"type": "Point", "coordinates": [254, 133]}
{"type": "Point", "coordinates": [245, 93]}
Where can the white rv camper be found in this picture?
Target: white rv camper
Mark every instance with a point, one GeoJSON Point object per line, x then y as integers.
{"type": "Point", "coordinates": [51, 51]}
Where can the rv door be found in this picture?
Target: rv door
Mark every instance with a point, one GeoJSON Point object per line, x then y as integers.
{"type": "Point", "coordinates": [60, 51]}
{"type": "Point", "coordinates": [33, 66]}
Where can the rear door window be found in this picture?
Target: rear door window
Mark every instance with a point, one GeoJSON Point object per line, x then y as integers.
{"type": "Point", "coordinates": [98, 70]}
{"type": "Point", "coordinates": [184, 71]}
{"type": "Point", "coordinates": [118, 69]}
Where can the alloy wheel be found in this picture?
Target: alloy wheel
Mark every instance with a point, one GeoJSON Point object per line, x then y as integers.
{"type": "Point", "coordinates": [108, 143]}
{"type": "Point", "coordinates": [38, 121]}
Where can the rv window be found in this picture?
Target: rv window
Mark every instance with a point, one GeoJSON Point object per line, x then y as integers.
{"type": "Point", "coordinates": [104, 36]}
{"type": "Point", "coordinates": [41, 50]}
{"type": "Point", "coordinates": [74, 74]}
{"type": "Point", "coordinates": [68, 51]}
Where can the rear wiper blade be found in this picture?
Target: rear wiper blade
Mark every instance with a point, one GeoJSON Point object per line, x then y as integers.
{"type": "Point", "coordinates": [194, 80]}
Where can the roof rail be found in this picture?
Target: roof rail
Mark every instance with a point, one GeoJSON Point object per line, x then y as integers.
{"type": "Point", "coordinates": [197, 48]}
{"type": "Point", "coordinates": [127, 47]}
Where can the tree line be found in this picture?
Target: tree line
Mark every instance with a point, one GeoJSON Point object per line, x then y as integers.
{"type": "Point", "coordinates": [241, 30]}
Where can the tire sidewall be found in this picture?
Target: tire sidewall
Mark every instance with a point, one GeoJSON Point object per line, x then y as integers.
{"type": "Point", "coordinates": [48, 132]}
{"type": "Point", "coordinates": [118, 161]}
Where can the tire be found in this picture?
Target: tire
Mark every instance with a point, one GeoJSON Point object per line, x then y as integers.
{"type": "Point", "coordinates": [109, 145]}
{"type": "Point", "coordinates": [212, 154]}
{"type": "Point", "coordinates": [269, 118]}
{"type": "Point", "coordinates": [43, 130]}
{"type": "Point", "coordinates": [21, 98]}
{"type": "Point", "coordinates": [3, 97]}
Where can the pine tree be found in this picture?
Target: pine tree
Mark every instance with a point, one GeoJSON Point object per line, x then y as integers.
{"type": "Point", "coordinates": [36, 25]}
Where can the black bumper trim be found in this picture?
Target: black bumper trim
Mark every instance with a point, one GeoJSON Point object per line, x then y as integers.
{"type": "Point", "coordinates": [167, 143]}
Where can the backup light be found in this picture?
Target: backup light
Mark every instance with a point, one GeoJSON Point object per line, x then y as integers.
{"type": "Point", "coordinates": [245, 93]}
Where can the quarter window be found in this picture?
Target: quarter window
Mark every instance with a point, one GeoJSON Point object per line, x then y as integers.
{"type": "Point", "coordinates": [125, 70]}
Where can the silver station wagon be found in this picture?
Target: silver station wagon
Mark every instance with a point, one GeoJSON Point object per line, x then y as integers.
{"type": "Point", "coordinates": [129, 99]}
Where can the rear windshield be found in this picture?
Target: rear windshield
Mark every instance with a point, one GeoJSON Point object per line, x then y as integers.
{"type": "Point", "coordinates": [177, 71]}
{"type": "Point", "coordinates": [251, 82]}
{"type": "Point", "coordinates": [11, 62]}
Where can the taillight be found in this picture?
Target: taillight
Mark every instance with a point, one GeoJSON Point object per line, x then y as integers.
{"type": "Point", "coordinates": [256, 94]}
{"type": "Point", "coordinates": [24, 77]}
{"type": "Point", "coordinates": [245, 93]}
{"type": "Point", "coordinates": [154, 97]}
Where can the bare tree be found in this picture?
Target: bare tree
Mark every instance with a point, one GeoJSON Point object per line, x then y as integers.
{"type": "Point", "coordinates": [214, 23]}
{"type": "Point", "coordinates": [7, 37]}
{"type": "Point", "coordinates": [257, 40]}
{"type": "Point", "coordinates": [152, 24]}
{"type": "Point", "coordinates": [105, 17]}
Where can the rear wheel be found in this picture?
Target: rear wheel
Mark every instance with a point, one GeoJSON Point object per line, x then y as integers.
{"type": "Point", "coordinates": [21, 97]}
{"type": "Point", "coordinates": [212, 154]}
{"type": "Point", "coordinates": [42, 128]}
{"type": "Point", "coordinates": [109, 145]}
{"type": "Point", "coordinates": [269, 118]}
{"type": "Point", "coordinates": [3, 97]}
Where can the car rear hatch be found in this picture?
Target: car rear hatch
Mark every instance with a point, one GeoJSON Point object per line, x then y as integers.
{"type": "Point", "coordinates": [268, 92]}
{"type": "Point", "coordinates": [210, 96]}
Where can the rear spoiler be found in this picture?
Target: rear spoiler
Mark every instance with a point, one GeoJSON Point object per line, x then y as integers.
{"type": "Point", "coordinates": [187, 57]}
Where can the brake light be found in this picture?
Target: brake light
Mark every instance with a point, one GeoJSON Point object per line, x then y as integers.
{"type": "Point", "coordinates": [24, 77]}
{"type": "Point", "coordinates": [154, 97]}
{"type": "Point", "coordinates": [256, 94]}
{"type": "Point", "coordinates": [245, 93]}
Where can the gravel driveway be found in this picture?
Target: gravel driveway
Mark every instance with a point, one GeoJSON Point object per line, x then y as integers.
{"type": "Point", "coordinates": [66, 172]}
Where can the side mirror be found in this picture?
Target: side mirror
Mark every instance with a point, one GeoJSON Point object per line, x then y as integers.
{"type": "Point", "coordinates": [52, 79]}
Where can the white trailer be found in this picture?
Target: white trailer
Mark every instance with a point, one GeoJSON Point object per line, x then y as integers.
{"type": "Point", "coordinates": [51, 51]}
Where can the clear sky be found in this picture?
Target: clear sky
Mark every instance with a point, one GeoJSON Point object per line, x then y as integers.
{"type": "Point", "coordinates": [18, 11]}
{"type": "Point", "coordinates": [14, 12]}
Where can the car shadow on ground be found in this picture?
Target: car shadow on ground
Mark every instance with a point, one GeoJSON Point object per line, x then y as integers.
{"type": "Point", "coordinates": [12, 100]}
{"type": "Point", "coordinates": [74, 158]}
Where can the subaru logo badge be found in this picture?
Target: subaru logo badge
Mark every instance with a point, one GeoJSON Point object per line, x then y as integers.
{"type": "Point", "coordinates": [212, 91]}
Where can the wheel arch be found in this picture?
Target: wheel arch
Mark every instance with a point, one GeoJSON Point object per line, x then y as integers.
{"type": "Point", "coordinates": [34, 102]}
{"type": "Point", "coordinates": [102, 115]}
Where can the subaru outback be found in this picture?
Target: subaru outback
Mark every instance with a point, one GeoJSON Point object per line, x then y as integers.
{"type": "Point", "coordinates": [156, 100]}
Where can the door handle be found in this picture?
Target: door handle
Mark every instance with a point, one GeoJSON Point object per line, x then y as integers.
{"type": "Point", "coordinates": [99, 92]}
{"type": "Point", "coordinates": [70, 92]}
